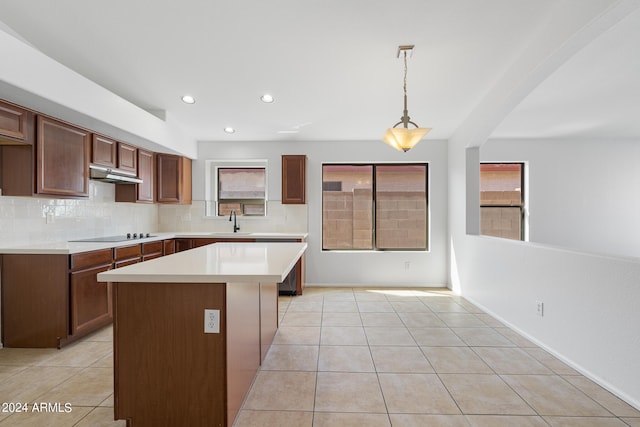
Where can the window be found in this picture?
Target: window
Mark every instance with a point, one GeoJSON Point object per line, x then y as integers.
{"type": "Point", "coordinates": [239, 186]}
{"type": "Point", "coordinates": [502, 200]}
{"type": "Point", "coordinates": [374, 207]}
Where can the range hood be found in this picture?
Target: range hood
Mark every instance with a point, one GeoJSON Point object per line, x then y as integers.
{"type": "Point", "coordinates": [116, 176]}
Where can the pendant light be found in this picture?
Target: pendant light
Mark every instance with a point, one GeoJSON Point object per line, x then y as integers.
{"type": "Point", "coordinates": [403, 138]}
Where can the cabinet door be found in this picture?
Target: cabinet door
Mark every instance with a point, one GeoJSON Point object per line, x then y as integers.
{"type": "Point", "coordinates": [91, 304]}
{"type": "Point", "coordinates": [127, 158]}
{"type": "Point", "coordinates": [62, 158]}
{"type": "Point", "coordinates": [139, 192]}
{"type": "Point", "coordinates": [103, 151]}
{"type": "Point", "coordinates": [145, 173]}
{"type": "Point", "coordinates": [173, 176]}
{"type": "Point", "coordinates": [293, 179]}
{"type": "Point", "coordinates": [16, 124]}
{"type": "Point", "coordinates": [169, 246]}
{"type": "Point", "coordinates": [183, 244]}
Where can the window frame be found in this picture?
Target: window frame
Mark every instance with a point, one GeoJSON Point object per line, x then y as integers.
{"type": "Point", "coordinates": [523, 200]}
{"type": "Point", "coordinates": [212, 196]}
{"type": "Point", "coordinates": [374, 236]}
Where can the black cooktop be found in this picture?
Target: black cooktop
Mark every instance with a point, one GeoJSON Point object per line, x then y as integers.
{"type": "Point", "coordinates": [120, 238]}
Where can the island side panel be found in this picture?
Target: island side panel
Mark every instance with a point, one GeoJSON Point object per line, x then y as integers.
{"type": "Point", "coordinates": [268, 316]}
{"type": "Point", "coordinates": [243, 342]}
{"type": "Point", "coordinates": [167, 371]}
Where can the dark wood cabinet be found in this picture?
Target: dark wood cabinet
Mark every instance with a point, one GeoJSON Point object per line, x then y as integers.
{"type": "Point", "coordinates": [17, 170]}
{"type": "Point", "coordinates": [173, 179]}
{"type": "Point", "coordinates": [294, 179]}
{"type": "Point", "coordinates": [103, 151]}
{"type": "Point", "coordinates": [139, 192]}
{"type": "Point", "coordinates": [90, 301]}
{"type": "Point", "coordinates": [183, 244]}
{"type": "Point", "coordinates": [16, 124]}
{"type": "Point", "coordinates": [169, 247]}
{"type": "Point", "coordinates": [127, 158]}
{"type": "Point", "coordinates": [211, 374]}
{"type": "Point", "coordinates": [62, 158]}
{"type": "Point", "coordinates": [51, 300]}
{"type": "Point", "coordinates": [127, 255]}
{"type": "Point", "coordinates": [57, 165]}
{"type": "Point", "coordinates": [35, 298]}
{"type": "Point", "coordinates": [151, 250]}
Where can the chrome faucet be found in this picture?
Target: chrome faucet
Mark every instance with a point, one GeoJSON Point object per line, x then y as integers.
{"type": "Point", "coordinates": [236, 227]}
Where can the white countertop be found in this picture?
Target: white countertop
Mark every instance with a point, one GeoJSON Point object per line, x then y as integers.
{"type": "Point", "coordinates": [63, 247]}
{"type": "Point", "coordinates": [216, 263]}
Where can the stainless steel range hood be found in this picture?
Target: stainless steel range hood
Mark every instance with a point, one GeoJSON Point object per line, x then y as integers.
{"type": "Point", "coordinates": [116, 176]}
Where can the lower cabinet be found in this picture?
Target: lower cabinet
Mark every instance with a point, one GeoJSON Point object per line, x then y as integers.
{"type": "Point", "coordinates": [35, 300]}
{"type": "Point", "coordinates": [51, 300]}
{"type": "Point", "coordinates": [152, 250]}
{"type": "Point", "coordinates": [90, 302]}
{"type": "Point", "coordinates": [169, 247]}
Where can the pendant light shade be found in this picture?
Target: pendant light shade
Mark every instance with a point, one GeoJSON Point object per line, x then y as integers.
{"type": "Point", "coordinates": [403, 138]}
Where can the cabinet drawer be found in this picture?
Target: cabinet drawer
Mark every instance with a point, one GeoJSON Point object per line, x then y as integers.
{"type": "Point", "coordinates": [125, 252]}
{"type": "Point", "coordinates": [152, 256]}
{"type": "Point", "coordinates": [88, 259]}
{"type": "Point", "coordinates": [152, 248]}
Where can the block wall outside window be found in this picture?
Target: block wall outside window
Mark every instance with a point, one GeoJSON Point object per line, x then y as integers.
{"type": "Point", "coordinates": [502, 200]}
{"type": "Point", "coordinates": [385, 204]}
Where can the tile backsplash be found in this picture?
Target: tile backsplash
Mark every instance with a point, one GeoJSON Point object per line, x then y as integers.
{"type": "Point", "coordinates": [26, 220]}
{"type": "Point", "coordinates": [280, 218]}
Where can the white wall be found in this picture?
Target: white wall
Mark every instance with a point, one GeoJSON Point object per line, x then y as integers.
{"type": "Point", "coordinates": [582, 194]}
{"type": "Point", "coordinates": [35, 81]}
{"type": "Point", "coordinates": [350, 268]}
{"type": "Point", "coordinates": [591, 301]}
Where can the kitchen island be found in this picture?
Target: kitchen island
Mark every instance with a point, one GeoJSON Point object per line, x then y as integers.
{"type": "Point", "coordinates": [191, 329]}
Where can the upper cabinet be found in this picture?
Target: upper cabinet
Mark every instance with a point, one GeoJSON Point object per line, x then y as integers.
{"type": "Point", "coordinates": [294, 179]}
{"type": "Point", "coordinates": [173, 179]}
{"type": "Point", "coordinates": [112, 154]}
{"type": "Point", "coordinates": [16, 124]}
{"type": "Point", "coordinates": [103, 151]}
{"type": "Point", "coordinates": [42, 156]}
{"type": "Point", "coordinates": [127, 158]}
{"type": "Point", "coordinates": [139, 192]}
{"type": "Point", "coordinates": [62, 158]}
{"type": "Point", "coordinates": [56, 165]}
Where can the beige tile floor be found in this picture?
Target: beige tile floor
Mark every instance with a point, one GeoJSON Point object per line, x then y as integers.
{"type": "Point", "coordinates": [346, 357]}
{"type": "Point", "coordinates": [408, 358]}
{"type": "Point", "coordinates": [80, 375]}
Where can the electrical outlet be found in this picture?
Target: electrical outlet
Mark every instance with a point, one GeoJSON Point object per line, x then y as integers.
{"type": "Point", "coordinates": [211, 321]}
{"type": "Point", "coordinates": [540, 308]}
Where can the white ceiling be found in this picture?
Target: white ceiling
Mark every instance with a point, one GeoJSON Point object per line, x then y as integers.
{"type": "Point", "coordinates": [331, 64]}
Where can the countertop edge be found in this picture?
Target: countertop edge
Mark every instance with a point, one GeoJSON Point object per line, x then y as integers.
{"type": "Point", "coordinates": [125, 274]}
{"type": "Point", "coordinates": [71, 248]}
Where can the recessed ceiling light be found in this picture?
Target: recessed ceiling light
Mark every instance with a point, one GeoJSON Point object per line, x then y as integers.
{"type": "Point", "coordinates": [266, 98]}
{"type": "Point", "coordinates": [229, 129]}
{"type": "Point", "coordinates": [188, 99]}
